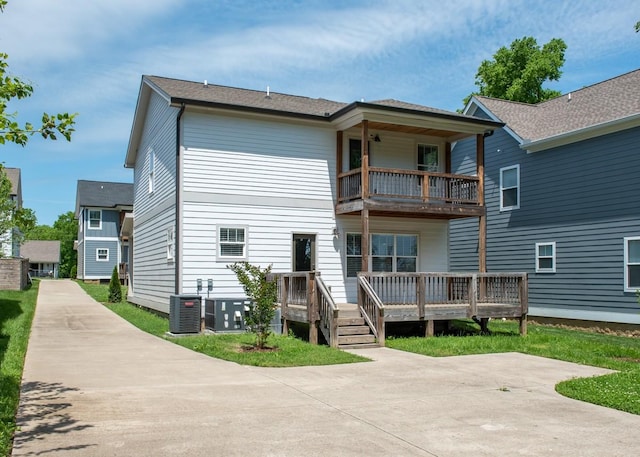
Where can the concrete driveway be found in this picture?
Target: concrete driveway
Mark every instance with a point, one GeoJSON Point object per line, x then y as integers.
{"type": "Point", "coordinates": [96, 386]}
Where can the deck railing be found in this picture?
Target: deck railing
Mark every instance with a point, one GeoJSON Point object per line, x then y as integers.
{"type": "Point", "coordinates": [388, 183]}
{"type": "Point", "coordinates": [430, 292]}
{"type": "Point", "coordinates": [327, 312]}
{"type": "Point", "coordinates": [371, 308]}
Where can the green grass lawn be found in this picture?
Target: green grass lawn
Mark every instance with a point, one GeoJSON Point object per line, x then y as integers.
{"type": "Point", "coordinates": [286, 351]}
{"type": "Point", "coordinates": [620, 390]}
{"type": "Point", "coordinates": [16, 313]}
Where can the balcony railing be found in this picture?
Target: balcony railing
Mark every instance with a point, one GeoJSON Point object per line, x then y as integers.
{"type": "Point", "coordinates": [411, 185]}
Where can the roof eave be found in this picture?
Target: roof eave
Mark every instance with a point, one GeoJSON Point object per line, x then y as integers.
{"type": "Point", "coordinates": [582, 134]}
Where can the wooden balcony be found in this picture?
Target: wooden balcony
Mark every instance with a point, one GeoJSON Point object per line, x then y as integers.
{"type": "Point", "coordinates": [409, 192]}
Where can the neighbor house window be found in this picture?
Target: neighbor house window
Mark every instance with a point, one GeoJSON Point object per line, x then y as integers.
{"type": "Point", "coordinates": [102, 255]}
{"type": "Point", "coordinates": [354, 254]}
{"type": "Point", "coordinates": [546, 257]}
{"type": "Point", "coordinates": [95, 219]}
{"type": "Point", "coordinates": [510, 188]}
{"type": "Point", "coordinates": [632, 264]}
{"type": "Point", "coordinates": [152, 166]}
{"type": "Point", "coordinates": [232, 242]}
{"type": "Point", "coordinates": [427, 157]}
{"type": "Point", "coordinates": [171, 244]}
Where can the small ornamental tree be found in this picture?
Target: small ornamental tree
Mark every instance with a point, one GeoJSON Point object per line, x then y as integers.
{"type": "Point", "coordinates": [263, 296]}
{"type": "Point", "coordinates": [115, 291]}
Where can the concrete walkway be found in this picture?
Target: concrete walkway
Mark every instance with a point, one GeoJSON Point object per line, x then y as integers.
{"type": "Point", "coordinates": [96, 386]}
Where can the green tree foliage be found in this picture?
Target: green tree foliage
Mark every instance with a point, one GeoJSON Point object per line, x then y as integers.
{"type": "Point", "coordinates": [115, 291]}
{"type": "Point", "coordinates": [263, 295]}
{"type": "Point", "coordinates": [14, 88]}
{"type": "Point", "coordinates": [518, 72]}
{"type": "Point", "coordinates": [65, 229]}
{"type": "Point", "coordinates": [637, 26]}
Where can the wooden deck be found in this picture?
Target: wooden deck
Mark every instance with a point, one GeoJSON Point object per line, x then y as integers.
{"type": "Point", "coordinates": [403, 297]}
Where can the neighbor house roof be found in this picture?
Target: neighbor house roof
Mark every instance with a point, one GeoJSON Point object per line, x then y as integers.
{"type": "Point", "coordinates": [16, 183]}
{"type": "Point", "coordinates": [100, 194]}
{"type": "Point", "coordinates": [610, 103]}
{"type": "Point", "coordinates": [41, 251]}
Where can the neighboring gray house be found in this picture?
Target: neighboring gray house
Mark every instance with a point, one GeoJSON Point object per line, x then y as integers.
{"type": "Point", "coordinates": [562, 196]}
{"type": "Point", "coordinates": [44, 257]}
{"type": "Point", "coordinates": [101, 208]}
{"type": "Point", "coordinates": [224, 174]}
{"type": "Point", "coordinates": [10, 241]}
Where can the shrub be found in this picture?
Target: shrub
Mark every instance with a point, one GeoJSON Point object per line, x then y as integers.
{"type": "Point", "coordinates": [263, 295]}
{"type": "Point", "coordinates": [115, 292]}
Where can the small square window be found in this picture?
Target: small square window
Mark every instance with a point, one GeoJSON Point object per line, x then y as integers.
{"type": "Point", "coordinates": [232, 242]}
{"type": "Point", "coordinates": [102, 255]}
{"type": "Point", "coordinates": [546, 257]}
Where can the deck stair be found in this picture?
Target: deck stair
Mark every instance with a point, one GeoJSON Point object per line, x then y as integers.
{"type": "Point", "coordinates": [353, 332]}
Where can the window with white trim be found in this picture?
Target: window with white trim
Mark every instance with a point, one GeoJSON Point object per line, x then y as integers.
{"type": "Point", "coordinates": [427, 157]}
{"type": "Point", "coordinates": [632, 263]}
{"type": "Point", "coordinates": [102, 255]}
{"type": "Point", "coordinates": [510, 188]}
{"type": "Point", "coordinates": [232, 242]}
{"type": "Point", "coordinates": [95, 219]}
{"type": "Point", "coordinates": [546, 257]}
{"type": "Point", "coordinates": [354, 254]}
{"type": "Point", "coordinates": [152, 166]}
{"type": "Point", "coordinates": [171, 244]}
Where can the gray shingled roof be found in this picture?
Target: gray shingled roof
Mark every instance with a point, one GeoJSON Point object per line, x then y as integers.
{"type": "Point", "coordinates": [607, 101]}
{"type": "Point", "coordinates": [199, 93]}
{"type": "Point", "coordinates": [41, 251]}
{"type": "Point", "coordinates": [98, 194]}
{"type": "Point", "coordinates": [14, 176]}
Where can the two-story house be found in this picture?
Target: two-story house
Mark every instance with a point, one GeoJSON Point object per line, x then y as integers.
{"type": "Point", "coordinates": [562, 194]}
{"type": "Point", "coordinates": [101, 208]}
{"type": "Point", "coordinates": [223, 174]}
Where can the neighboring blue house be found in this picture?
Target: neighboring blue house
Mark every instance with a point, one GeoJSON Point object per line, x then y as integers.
{"type": "Point", "coordinates": [101, 208]}
{"type": "Point", "coordinates": [562, 189]}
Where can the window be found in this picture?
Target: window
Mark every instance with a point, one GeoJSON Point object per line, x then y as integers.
{"type": "Point", "coordinates": [427, 157]}
{"type": "Point", "coordinates": [152, 166]}
{"type": "Point", "coordinates": [390, 253]}
{"type": "Point", "coordinates": [510, 188]}
{"type": "Point", "coordinates": [171, 244]}
{"type": "Point", "coordinates": [354, 254]}
{"type": "Point", "coordinates": [232, 242]}
{"type": "Point", "coordinates": [546, 257]}
{"type": "Point", "coordinates": [102, 255]}
{"type": "Point", "coordinates": [632, 264]}
{"type": "Point", "coordinates": [95, 219]}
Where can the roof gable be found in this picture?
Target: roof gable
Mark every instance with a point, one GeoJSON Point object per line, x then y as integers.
{"type": "Point", "coordinates": [568, 117]}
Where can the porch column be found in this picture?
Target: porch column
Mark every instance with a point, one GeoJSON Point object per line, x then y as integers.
{"type": "Point", "coordinates": [447, 157]}
{"type": "Point", "coordinates": [364, 246]}
{"type": "Point", "coordinates": [364, 162]}
{"type": "Point", "coordinates": [338, 163]}
{"type": "Point", "coordinates": [482, 220]}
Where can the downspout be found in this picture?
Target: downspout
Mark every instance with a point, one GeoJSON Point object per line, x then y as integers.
{"type": "Point", "coordinates": [176, 241]}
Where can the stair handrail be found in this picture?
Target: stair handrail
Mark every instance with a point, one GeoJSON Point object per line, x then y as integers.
{"type": "Point", "coordinates": [371, 307]}
{"type": "Point", "coordinates": [328, 312]}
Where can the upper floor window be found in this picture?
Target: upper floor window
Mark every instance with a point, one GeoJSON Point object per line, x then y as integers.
{"type": "Point", "coordinates": [427, 157]}
{"type": "Point", "coordinates": [546, 257]}
{"type": "Point", "coordinates": [152, 166]}
{"type": "Point", "coordinates": [510, 188]}
{"type": "Point", "coordinates": [95, 219]}
{"type": "Point", "coordinates": [232, 242]}
{"type": "Point", "coordinates": [632, 264]}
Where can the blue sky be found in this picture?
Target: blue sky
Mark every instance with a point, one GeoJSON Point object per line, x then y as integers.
{"type": "Point", "coordinates": [88, 57]}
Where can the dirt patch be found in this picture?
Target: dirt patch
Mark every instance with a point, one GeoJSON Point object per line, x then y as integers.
{"type": "Point", "coordinates": [251, 348]}
{"type": "Point", "coordinates": [605, 328]}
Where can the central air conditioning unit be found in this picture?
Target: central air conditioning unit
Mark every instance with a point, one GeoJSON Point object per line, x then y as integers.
{"type": "Point", "coordinates": [184, 314]}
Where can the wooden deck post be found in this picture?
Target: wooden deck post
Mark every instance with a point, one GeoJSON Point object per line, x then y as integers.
{"type": "Point", "coordinates": [364, 239]}
{"type": "Point", "coordinates": [482, 220]}
{"type": "Point", "coordinates": [524, 304]}
{"type": "Point", "coordinates": [364, 161]}
{"type": "Point", "coordinates": [312, 308]}
{"type": "Point", "coordinates": [339, 141]}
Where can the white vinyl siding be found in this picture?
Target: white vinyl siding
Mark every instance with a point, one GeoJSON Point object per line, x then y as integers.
{"type": "Point", "coordinates": [632, 264]}
{"type": "Point", "coordinates": [546, 257]}
{"type": "Point", "coordinates": [510, 188]}
{"type": "Point", "coordinates": [151, 168]}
